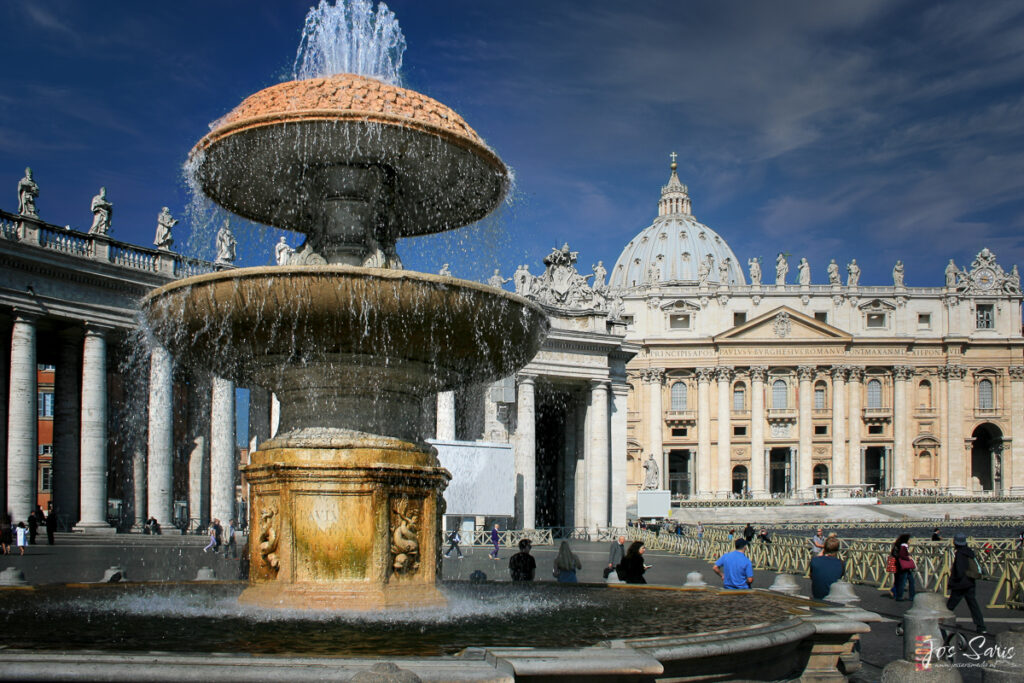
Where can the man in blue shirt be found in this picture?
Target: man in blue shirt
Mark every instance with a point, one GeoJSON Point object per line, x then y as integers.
{"type": "Point", "coordinates": [826, 569]}
{"type": "Point", "coordinates": [735, 568]}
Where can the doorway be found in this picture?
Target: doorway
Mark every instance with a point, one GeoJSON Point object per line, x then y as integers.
{"type": "Point", "coordinates": [986, 457]}
{"type": "Point", "coordinates": [679, 473]}
{"type": "Point", "coordinates": [779, 471]}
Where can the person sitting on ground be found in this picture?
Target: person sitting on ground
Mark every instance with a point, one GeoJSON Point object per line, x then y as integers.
{"type": "Point", "coordinates": [826, 569]}
{"type": "Point", "coordinates": [962, 579]}
{"type": "Point", "coordinates": [935, 534]}
{"type": "Point", "coordinates": [566, 564]}
{"type": "Point", "coordinates": [522, 566]}
{"type": "Point", "coordinates": [154, 526]}
{"type": "Point", "coordinates": [735, 568]}
{"type": "Point", "coordinates": [764, 537]}
{"type": "Point", "coordinates": [632, 567]}
{"type": "Point", "coordinates": [817, 543]}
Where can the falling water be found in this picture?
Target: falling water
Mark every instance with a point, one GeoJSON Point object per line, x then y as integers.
{"type": "Point", "coordinates": [350, 37]}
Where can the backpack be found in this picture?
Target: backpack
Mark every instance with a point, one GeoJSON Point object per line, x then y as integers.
{"type": "Point", "coordinates": [973, 570]}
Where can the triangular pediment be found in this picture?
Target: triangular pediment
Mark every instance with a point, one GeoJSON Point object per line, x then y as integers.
{"type": "Point", "coordinates": [784, 324]}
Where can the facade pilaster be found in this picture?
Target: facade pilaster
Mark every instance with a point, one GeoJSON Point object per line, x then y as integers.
{"type": "Point", "coordinates": [1016, 459]}
{"type": "Point", "coordinates": [446, 416]}
{"type": "Point", "coordinates": [654, 378]}
{"type": "Point", "coordinates": [803, 486]}
{"type": "Point", "coordinates": [724, 376]}
{"type": "Point", "coordinates": [758, 469]}
{"type": "Point", "coordinates": [525, 452]}
{"type": "Point", "coordinates": [599, 470]}
{"type": "Point", "coordinates": [223, 464]}
{"type": "Point", "coordinates": [22, 418]}
{"type": "Point", "coordinates": [704, 471]}
{"type": "Point", "coordinates": [94, 432]}
{"type": "Point", "coordinates": [160, 458]}
{"type": "Point", "coordinates": [840, 470]}
{"type": "Point", "coordinates": [900, 442]}
{"type": "Point", "coordinates": [956, 476]}
{"type": "Point", "coordinates": [67, 397]}
{"type": "Point", "coordinates": [620, 394]}
{"type": "Point", "coordinates": [854, 457]}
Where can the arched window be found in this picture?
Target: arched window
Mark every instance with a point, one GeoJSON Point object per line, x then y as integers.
{"type": "Point", "coordinates": [985, 399]}
{"type": "Point", "coordinates": [679, 396]}
{"type": "Point", "coordinates": [779, 401]}
{"type": "Point", "coordinates": [924, 394]}
{"type": "Point", "coordinates": [739, 397]}
{"type": "Point", "coordinates": [874, 394]}
{"type": "Point", "coordinates": [820, 396]}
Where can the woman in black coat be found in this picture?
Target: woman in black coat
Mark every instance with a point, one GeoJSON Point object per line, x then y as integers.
{"type": "Point", "coordinates": [632, 565]}
{"type": "Point", "coordinates": [961, 586]}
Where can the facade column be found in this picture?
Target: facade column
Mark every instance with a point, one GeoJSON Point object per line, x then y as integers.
{"type": "Point", "coordinates": [94, 432]}
{"type": "Point", "coordinates": [1015, 461]}
{"type": "Point", "coordinates": [804, 484]}
{"type": "Point", "coordinates": [222, 450]}
{"type": "Point", "coordinates": [445, 416]}
{"type": "Point", "coordinates": [617, 491]}
{"type": "Point", "coordinates": [900, 451]}
{"type": "Point", "coordinates": [758, 469]}
{"type": "Point", "coordinates": [22, 420]}
{"type": "Point", "coordinates": [160, 456]}
{"type": "Point", "coordinates": [199, 395]}
{"type": "Point", "coordinates": [724, 486]}
{"type": "Point", "coordinates": [704, 487]}
{"type": "Point", "coordinates": [525, 452]}
{"type": "Point", "coordinates": [654, 378]}
{"type": "Point", "coordinates": [599, 457]}
{"type": "Point", "coordinates": [855, 460]}
{"type": "Point", "coordinates": [839, 473]}
{"type": "Point", "coordinates": [67, 398]}
{"type": "Point", "coordinates": [956, 477]}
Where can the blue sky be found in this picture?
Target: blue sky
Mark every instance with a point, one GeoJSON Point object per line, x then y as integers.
{"type": "Point", "coordinates": [868, 130]}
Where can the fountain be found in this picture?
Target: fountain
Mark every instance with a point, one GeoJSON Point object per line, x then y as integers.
{"type": "Point", "coordinates": [345, 497]}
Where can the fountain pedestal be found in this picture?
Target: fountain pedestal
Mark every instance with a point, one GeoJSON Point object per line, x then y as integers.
{"type": "Point", "coordinates": [346, 527]}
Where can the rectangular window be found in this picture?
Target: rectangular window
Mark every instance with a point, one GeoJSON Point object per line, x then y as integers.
{"type": "Point", "coordinates": [680, 321]}
{"type": "Point", "coordinates": [876, 320]}
{"type": "Point", "coordinates": [627, 320]}
{"type": "Point", "coordinates": [679, 431]}
{"type": "Point", "coordinates": [924, 321]}
{"type": "Point", "coordinates": [821, 316]}
{"type": "Point", "coordinates": [986, 317]}
{"type": "Point", "coordinates": [874, 429]}
{"type": "Point", "coordinates": [819, 398]}
{"type": "Point", "coordinates": [739, 318]}
{"type": "Point", "coordinates": [46, 368]}
{"type": "Point", "coordinates": [45, 479]}
{"type": "Point", "coordinates": [45, 449]}
{"type": "Point", "coordinates": [820, 430]}
{"type": "Point", "coordinates": [739, 431]}
{"type": "Point", "coordinates": [45, 404]}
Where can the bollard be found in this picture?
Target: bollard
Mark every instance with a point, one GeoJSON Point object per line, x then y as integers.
{"type": "Point", "coordinates": [114, 575]}
{"type": "Point", "coordinates": [1007, 666]}
{"type": "Point", "coordinates": [205, 574]}
{"type": "Point", "coordinates": [842, 592]}
{"type": "Point", "coordinates": [784, 583]}
{"type": "Point", "coordinates": [922, 636]}
{"type": "Point", "coordinates": [695, 580]}
{"type": "Point", "coordinates": [12, 576]}
{"type": "Point", "coordinates": [386, 672]}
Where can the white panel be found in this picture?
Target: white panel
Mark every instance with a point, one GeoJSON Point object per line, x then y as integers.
{"type": "Point", "coordinates": [483, 477]}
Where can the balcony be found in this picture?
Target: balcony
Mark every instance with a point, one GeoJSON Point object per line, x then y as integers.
{"type": "Point", "coordinates": [987, 412]}
{"type": "Point", "coordinates": [680, 418]}
{"type": "Point", "coordinates": [778, 415]}
{"type": "Point", "coordinates": [877, 415]}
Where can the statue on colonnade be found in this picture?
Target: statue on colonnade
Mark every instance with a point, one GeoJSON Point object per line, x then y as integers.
{"type": "Point", "coordinates": [164, 223]}
{"type": "Point", "coordinates": [102, 213]}
{"type": "Point", "coordinates": [28, 191]}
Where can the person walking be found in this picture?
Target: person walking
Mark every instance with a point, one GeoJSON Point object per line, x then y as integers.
{"type": "Point", "coordinates": [962, 580]}
{"type": "Point", "coordinates": [700, 531]}
{"type": "Point", "coordinates": [748, 533]}
{"type": "Point", "coordinates": [213, 540]}
{"type": "Point", "coordinates": [33, 527]}
{"type": "Point", "coordinates": [566, 564]}
{"type": "Point", "coordinates": [6, 535]}
{"type": "Point", "coordinates": [231, 550]}
{"type": "Point", "coordinates": [817, 543]}
{"type": "Point", "coordinates": [522, 566]}
{"type": "Point", "coordinates": [218, 532]}
{"type": "Point", "coordinates": [615, 555]}
{"type": "Point", "coordinates": [905, 567]}
{"type": "Point", "coordinates": [632, 568]}
{"type": "Point", "coordinates": [735, 568]}
{"type": "Point", "coordinates": [826, 569]}
{"type": "Point", "coordinates": [51, 525]}
{"type": "Point", "coordinates": [22, 535]}
{"type": "Point", "coordinates": [495, 540]}
{"type": "Point", "coordinates": [454, 539]}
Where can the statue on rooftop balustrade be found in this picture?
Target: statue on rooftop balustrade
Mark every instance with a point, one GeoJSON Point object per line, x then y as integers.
{"type": "Point", "coordinates": [723, 271]}
{"type": "Point", "coordinates": [600, 273]}
{"type": "Point", "coordinates": [226, 244]}
{"type": "Point", "coordinates": [102, 212]}
{"type": "Point", "coordinates": [952, 274]}
{"type": "Point", "coordinates": [282, 252]}
{"type": "Point", "coordinates": [164, 223]}
{"type": "Point", "coordinates": [805, 271]}
{"type": "Point", "coordinates": [28, 191]}
{"type": "Point", "coordinates": [833, 273]}
{"type": "Point", "coordinates": [497, 280]}
{"type": "Point", "coordinates": [755, 270]}
{"type": "Point", "coordinates": [781, 268]}
{"type": "Point", "coordinates": [897, 274]}
{"type": "Point", "coordinates": [853, 273]}
{"type": "Point", "coordinates": [523, 280]}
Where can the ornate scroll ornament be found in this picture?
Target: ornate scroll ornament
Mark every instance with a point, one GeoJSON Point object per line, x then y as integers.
{"type": "Point", "coordinates": [1016, 371]}
{"type": "Point", "coordinates": [955, 372]}
{"type": "Point", "coordinates": [758, 372]}
{"type": "Point", "coordinates": [704, 374]}
{"type": "Point", "coordinates": [724, 374]}
{"type": "Point", "coordinates": [561, 285]}
{"type": "Point", "coordinates": [839, 372]}
{"type": "Point", "coordinates": [856, 373]}
{"type": "Point", "coordinates": [985, 277]}
{"type": "Point", "coordinates": [405, 545]}
{"type": "Point", "coordinates": [267, 540]}
{"type": "Point", "coordinates": [654, 375]}
{"type": "Point", "coordinates": [779, 430]}
{"type": "Point", "coordinates": [806, 372]}
{"type": "Point", "coordinates": [902, 372]}
{"type": "Point", "coordinates": [782, 325]}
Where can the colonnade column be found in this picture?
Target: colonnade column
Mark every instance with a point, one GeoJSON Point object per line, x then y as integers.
{"type": "Point", "coordinates": [854, 389]}
{"type": "Point", "coordinates": [704, 430]}
{"type": "Point", "coordinates": [94, 432]}
{"type": "Point", "coordinates": [840, 470]}
{"type": "Point", "coordinates": [582, 493]}
{"type": "Point", "coordinates": [160, 457]}
{"type": "Point", "coordinates": [22, 419]}
{"type": "Point", "coordinates": [900, 452]}
{"type": "Point", "coordinates": [620, 394]}
{"type": "Point", "coordinates": [259, 417]}
{"type": "Point", "coordinates": [525, 452]}
{"type": "Point", "coordinates": [67, 396]}
{"type": "Point", "coordinates": [804, 484]}
{"type": "Point", "coordinates": [139, 485]}
{"type": "Point", "coordinates": [446, 416]}
{"type": "Point", "coordinates": [655, 380]}
{"type": "Point", "coordinates": [222, 450]}
{"type": "Point", "coordinates": [724, 485]}
{"type": "Point", "coordinates": [956, 477]}
{"type": "Point", "coordinates": [757, 456]}
{"type": "Point", "coordinates": [199, 397]}
{"type": "Point", "coordinates": [1016, 455]}
{"type": "Point", "coordinates": [570, 462]}
{"type": "Point", "coordinates": [599, 471]}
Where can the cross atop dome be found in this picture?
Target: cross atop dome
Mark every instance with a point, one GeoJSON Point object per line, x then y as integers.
{"type": "Point", "coordinates": [675, 198]}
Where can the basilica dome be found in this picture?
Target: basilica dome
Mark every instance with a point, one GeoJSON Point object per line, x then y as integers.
{"type": "Point", "coordinates": [675, 246]}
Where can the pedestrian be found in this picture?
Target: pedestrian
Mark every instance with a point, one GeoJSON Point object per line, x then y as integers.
{"type": "Point", "coordinates": [213, 540]}
{"type": "Point", "coordinates": [826, 569]}
{"type": "Point", "coordinates": [51, 525]}
{"type": "Point", "coordinates": [905, 567]}
{"type": "Point", "coordinates": [817, 543]}
{"type": "Point", "coordinates": [748, 533]}
{"type": "Point", "coordinates": [615, 555]}
{"type": "Point", "coordinates": [632, 567]}
{"type": "Point", "coordinates": [33, 527]}
{"type": "Point", "coordinates": [231, 550]}
{"type": "Point", "coordinates": [764, 537]}
{"type": "Point", "coordinates": [732, 534]}
{"type": "Point", "coordinates": [454, 539]}
{"type": "Point", "coordinates": [735, 568]}
{"type": "Point", "coordinates": [935, 534]}
{"type": "Point", "coordinates": [962, 580]}
{"type": "Point", "coordinates": [6, 535]}
{"type": "Point", "coordinates": [22, 534]}
{"type": "Point", "coordinates": [566, 564]}
{"type": "Point", "coordinates": [700, 531]}
{"type": "Point", "coordinates": [522, 566]}
{"type": "Point", "coordinates": [218, 532]}
{"type": "Point", "coordinates": [495, 540]}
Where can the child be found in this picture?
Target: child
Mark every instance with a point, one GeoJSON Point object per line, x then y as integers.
{"type": "Point", "coordinates": [22, 537]}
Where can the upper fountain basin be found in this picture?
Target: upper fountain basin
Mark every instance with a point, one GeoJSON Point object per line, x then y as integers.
{"type": "Point", "coordinates": [274, 158]}
{"type": "Point", "coordinates": [257, 325]}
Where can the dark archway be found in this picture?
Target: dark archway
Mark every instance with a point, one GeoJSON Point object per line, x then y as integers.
{"type": "Point", "coordinates": [739, 480]}
{"type": "Point", "coordinates": [986, 456]}
{"type": "Point", "coordinates": [874, 467]}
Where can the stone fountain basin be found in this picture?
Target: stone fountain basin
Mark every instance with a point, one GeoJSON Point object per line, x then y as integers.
{"type": "Point", "coordinates": [349, 324]}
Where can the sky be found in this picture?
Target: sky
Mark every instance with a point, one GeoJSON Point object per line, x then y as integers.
{"type": "Point", "coordinates": [869, 130]}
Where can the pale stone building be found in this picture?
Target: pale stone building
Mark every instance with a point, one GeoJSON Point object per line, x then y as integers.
{"type": "Point", "coordinates": [769, 388]}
